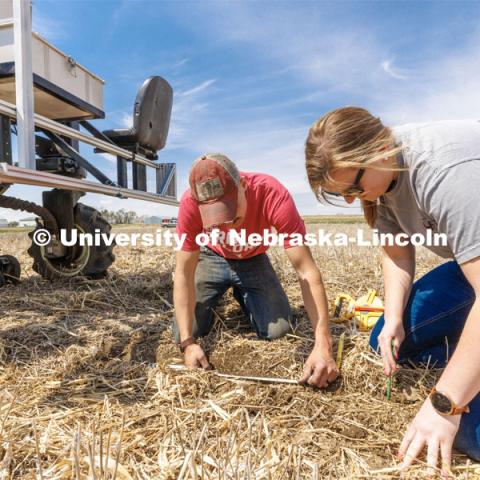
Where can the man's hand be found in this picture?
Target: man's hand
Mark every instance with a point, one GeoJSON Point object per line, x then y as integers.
{"type": "Point", "coordinates": [434, 431]}
{"type": "Point", "coordinates": [320, 368]}
{"type": "Point", "coordinates": [391, 332]}
{"type": "Point", "coordinates": [195, 357]}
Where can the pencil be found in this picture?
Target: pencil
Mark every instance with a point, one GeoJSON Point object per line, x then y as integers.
{"type": "Point", "coordinates": [341, 342]}
{"type": "Point", "coordinates": [390, 377]}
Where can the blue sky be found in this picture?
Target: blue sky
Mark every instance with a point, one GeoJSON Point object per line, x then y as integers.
{"type": "Point", "coordinates": [251, 76]}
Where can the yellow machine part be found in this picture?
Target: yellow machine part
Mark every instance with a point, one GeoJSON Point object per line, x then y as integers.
{"type": "Point", "coordinates": [343, 308]}
{"type": "Point", "coordinates": [366, 319]}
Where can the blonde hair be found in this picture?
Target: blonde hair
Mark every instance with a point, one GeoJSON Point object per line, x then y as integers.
{"type": "Point", "coordinates": [349, 137]}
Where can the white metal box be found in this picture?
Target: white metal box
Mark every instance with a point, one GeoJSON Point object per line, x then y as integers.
{"type": "Point", "coordinates": [63, 89]}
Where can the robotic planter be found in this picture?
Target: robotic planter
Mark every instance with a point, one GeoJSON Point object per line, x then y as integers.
{"type": "Point", "coordinates": [48, 99]}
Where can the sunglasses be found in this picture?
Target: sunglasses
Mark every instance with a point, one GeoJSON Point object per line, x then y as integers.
{"type": "Point", "coordinates": [355, 190]}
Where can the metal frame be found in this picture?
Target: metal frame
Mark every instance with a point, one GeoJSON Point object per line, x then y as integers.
{"type": "Point", "coordinates": [26, 120]}
{"type": "Point", "coordinates": [166, 185]}
{"type": "Point", "coordinates": [6, 139]}
{"type": "Point", "coordinates": [25, 176]}
{"type": "Point", "coordinates": [166, 188]}
{"type": "Point", "coordinates": [22, 34]}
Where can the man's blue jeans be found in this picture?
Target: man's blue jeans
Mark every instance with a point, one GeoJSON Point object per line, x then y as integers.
{"type": "Point", "coordinates": [433, 320]}
{"type": "Point", "coordinates": [255, 286]}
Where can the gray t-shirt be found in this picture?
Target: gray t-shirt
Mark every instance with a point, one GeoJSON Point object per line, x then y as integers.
{"type": "Point", "coordinates": [441, 188]}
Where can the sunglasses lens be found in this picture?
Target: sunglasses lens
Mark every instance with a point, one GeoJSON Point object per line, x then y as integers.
{"type": "Point", "coordinates": [331, 194]}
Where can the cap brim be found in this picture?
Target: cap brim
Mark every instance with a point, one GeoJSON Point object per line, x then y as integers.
{"type": "Point", "coordinates": [221, 211]}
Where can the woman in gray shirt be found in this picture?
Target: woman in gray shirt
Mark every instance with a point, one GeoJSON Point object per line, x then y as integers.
{"type": "Point", "coordinates": [411, 180]}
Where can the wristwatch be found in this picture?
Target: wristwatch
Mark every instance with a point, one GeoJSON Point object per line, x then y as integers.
{"type": "Point", "coordinates": [444, 405]}
{"type": "Point", "coordinates": [187, 342]}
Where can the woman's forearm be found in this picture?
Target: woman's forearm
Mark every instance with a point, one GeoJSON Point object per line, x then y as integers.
{"type": "Point", "coordinates": [398, 271]}
{"type": "Point", "coordinates": [461, 378]}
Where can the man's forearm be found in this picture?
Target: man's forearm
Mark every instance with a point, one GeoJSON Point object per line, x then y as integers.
{"type": "Point", "coordinates": [184, 304]}
{"type": "Point", "coordinates": [315, 301]}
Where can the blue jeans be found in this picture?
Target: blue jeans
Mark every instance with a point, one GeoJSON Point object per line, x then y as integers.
{"type": "Point", "coordinates": [255, 287]}
{"type": "Point", "coordinates": [433, 320]}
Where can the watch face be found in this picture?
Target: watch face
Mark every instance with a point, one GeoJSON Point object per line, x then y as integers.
{"type": "Point", "coordinates": [441, 402]}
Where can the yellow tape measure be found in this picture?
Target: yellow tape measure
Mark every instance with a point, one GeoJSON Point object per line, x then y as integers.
{"type": "Point", "coordinates": [365, 311]}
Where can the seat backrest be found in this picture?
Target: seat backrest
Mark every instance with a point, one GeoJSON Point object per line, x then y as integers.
{"type": "Point", "coordinates": [151, 113]}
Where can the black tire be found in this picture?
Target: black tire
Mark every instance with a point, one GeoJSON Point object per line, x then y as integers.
{"type": "Point", "coordinates": [9, 269]}
{"type": "Point", "coordinates": [88, 261]}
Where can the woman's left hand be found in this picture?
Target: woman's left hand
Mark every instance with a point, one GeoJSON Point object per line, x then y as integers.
{"type": "Point", "coordinates": [435, 431]}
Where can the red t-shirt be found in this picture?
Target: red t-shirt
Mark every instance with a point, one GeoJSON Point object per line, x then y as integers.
{"type": "Point", "coordinates": [269, 204]}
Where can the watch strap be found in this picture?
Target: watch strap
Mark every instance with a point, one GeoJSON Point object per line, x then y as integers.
{"type": "Point", "coordinates": [186, 343]}
{"type": "Point", "coordinates": [460, 410]}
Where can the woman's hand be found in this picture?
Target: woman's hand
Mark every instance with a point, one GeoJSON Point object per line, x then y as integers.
{"type": "Point", "coordinates": [392, 331]}
{"type": "Point", "coordinates": [435, 431]}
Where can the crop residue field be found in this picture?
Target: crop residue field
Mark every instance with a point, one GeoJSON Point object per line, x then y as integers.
{"type": "Point", "coordinates": [85, 391]}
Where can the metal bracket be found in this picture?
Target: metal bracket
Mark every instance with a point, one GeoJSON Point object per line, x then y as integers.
{"type": "Point", "coordinates": [4, 187]}
{"type": "Point", "coordinates": [5, 139]}
{"type": "Point", "coordinates": [167, 180]}
{"type": "Point", "coordinates": [94, 131]}
{"type": "Point", "coordinates": [69, 151]}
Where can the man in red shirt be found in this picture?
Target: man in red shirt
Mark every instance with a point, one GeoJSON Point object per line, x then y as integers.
{"type": "Point", "coordinates": [221, 199]}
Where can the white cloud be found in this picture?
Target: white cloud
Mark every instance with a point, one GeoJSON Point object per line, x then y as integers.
{"type": "Point", "coordinates": [341, 57]}
{"type": "Point", "coordinates": [119, 16]}
{"type": "Point", "coordinates": [341, 60]}
{"type": "Point", "coordinates": [189, 107]}
{"type": "Point", "coordinates": [126, 120]}
{"type": "Point", "coordinates": [180, 63]}
{"type": "Point", "coordinates": [338, 61]}
{"type": "Point", "coordinates": [108, 156]}
{"type": "Point", "coordinates": [198, 89]}
{"type": "Point", "coordinates": [447, 88]}
{"type": "Point", "coordinates": [317, 48]}
{"type": "Point", "coordinates": [391, 70]}
{"type": "Point", "coordinates": [47, 27]}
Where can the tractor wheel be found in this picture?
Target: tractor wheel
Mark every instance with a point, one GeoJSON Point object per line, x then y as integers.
{"type": "Point", "coordinates": [9, 269]}
{"type": "Point", "coordinates": [90, 261]}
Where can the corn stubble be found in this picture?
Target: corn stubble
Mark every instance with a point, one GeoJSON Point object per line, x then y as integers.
{"type": "Point", "coordinates": [85, 392]}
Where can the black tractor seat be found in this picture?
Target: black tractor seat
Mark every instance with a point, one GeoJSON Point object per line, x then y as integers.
{"type": "Point", "coordinates": [151, 119]}
{"type": "Point", "coordinates": [123, 137]}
